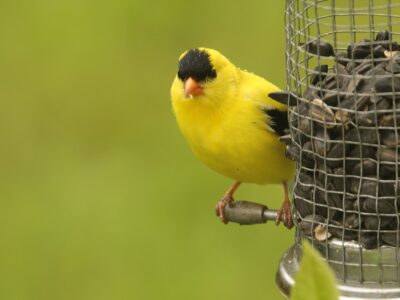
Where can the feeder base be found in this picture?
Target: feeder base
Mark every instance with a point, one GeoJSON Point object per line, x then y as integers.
{"type": "Point", "coordinates": [289, 265]}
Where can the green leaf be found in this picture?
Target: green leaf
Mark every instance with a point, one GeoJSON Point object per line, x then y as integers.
{"type": "Point", "coordinates": [314, 280]}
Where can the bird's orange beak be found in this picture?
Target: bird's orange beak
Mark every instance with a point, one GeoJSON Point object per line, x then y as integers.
{"type": "Point", "coordinates": [192, 88]}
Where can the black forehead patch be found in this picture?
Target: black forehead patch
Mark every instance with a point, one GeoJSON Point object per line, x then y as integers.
{"type": "Point", "coordinates": [196, 64]}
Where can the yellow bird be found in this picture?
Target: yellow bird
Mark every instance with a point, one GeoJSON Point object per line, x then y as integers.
{"type": "Point", "coordinates": [231, 124]}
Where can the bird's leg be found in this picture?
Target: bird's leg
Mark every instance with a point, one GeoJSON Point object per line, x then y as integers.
{"type": "Point", "coordinates": [225, 200]}
{"type": "Point", "coordinates": [284, 214]}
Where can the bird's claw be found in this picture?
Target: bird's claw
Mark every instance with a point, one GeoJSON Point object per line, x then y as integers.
{"type": "Point", "coordinates": [285, 215]}
{"type": "Point", "coordinates": [220, 207]}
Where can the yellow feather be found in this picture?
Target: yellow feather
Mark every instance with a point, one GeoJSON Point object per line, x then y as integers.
{"type": "Point", "coordinates": [226, 127]}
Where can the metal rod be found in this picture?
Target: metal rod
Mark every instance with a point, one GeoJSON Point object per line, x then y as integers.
{"type": "Point", "coordinates": [248, 213]}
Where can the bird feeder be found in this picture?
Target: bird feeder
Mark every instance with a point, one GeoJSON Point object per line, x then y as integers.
{"type": "Point", "coordinates": [343, 78]}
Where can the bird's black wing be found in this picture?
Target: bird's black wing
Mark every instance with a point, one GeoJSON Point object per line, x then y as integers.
{"type": "Point", "coordinates": [284, 97]}
{"type": "Point", "coordinates": [278, 120]}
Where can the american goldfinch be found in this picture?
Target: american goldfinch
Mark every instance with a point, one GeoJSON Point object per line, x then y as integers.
{"type": "Point", "coordinates": [231, 124]}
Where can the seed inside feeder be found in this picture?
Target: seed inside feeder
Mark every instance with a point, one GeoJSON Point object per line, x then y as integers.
{"type": "Point", "coordinates": [346, 128]}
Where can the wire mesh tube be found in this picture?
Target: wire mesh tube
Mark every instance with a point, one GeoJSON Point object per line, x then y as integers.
{"type": "Point", "coordinates": [343, 72]}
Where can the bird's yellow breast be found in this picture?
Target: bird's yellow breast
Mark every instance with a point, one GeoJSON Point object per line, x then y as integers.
{"type": "Point", "coordinates": [233, 139]}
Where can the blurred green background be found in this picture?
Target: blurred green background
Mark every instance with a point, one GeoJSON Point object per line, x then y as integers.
{"type": "Point", "coordinates": [100, 195]}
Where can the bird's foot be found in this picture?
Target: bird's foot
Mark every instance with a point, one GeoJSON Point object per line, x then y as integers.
{"type": "Point", "coordinates": [220, 207]}
{"type": "Point", "coordinates": [285, 215]}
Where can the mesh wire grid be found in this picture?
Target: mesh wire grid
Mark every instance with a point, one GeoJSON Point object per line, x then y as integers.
{"type": "Point", "coordinates": [343, 69]}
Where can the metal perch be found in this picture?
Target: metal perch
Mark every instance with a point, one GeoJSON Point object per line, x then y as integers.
{"type": "Point", "coordinates": [248, 213]}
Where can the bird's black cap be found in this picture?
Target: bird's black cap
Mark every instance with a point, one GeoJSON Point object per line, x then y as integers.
{"type": "Point", "coordinates": [196, 64]}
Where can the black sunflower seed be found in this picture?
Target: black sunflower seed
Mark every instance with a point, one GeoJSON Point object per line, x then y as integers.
{"type": "Point", "coordinates": [321, 48]}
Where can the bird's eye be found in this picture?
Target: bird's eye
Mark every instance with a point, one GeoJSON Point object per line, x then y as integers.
{"type": "Point", "coordinates": [181, 76]}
